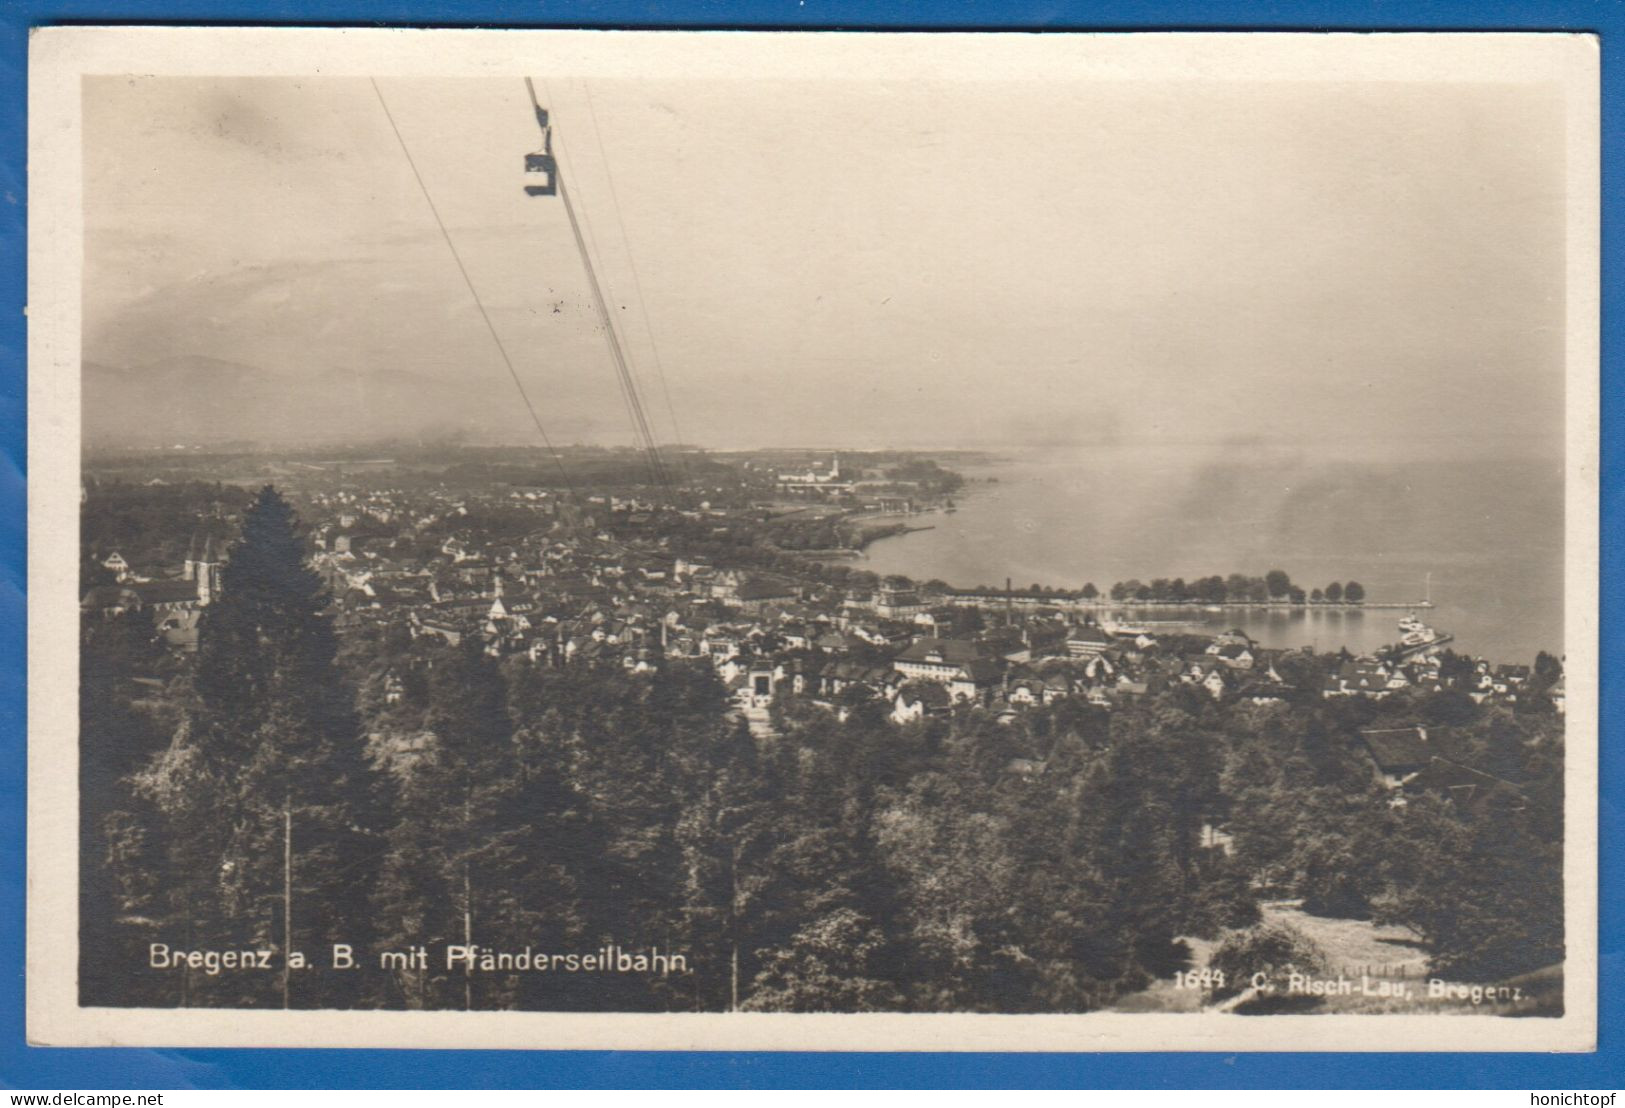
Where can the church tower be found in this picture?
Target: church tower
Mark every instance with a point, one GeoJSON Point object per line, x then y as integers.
{"type": "Point", "coordinates": [499, 610]}
{"type": "Point", "coordinates": [204, 559]}
{"type": "Point", "coordinates": [208, 572]}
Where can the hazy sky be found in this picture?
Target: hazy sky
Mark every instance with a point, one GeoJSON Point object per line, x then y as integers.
{"type": "Point", "coordinates": [863, 263]}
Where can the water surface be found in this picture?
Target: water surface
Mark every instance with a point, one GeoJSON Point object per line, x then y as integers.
{"type": "Point", "coordinates": [1489, 531]}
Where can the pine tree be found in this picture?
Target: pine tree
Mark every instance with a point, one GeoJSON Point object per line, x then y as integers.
{"type": "Point", "coordinates": [473, 862]}
{"type": "Point", "coordinates": [115, 871]}
{"type": "Point", "coordinates": [270, 797]}
{"type": "Point", "coordinates": [725, 835]}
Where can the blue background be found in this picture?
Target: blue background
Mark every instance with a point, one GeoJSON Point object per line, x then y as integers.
{"type": "Point", "coordinates": [60, 1069]}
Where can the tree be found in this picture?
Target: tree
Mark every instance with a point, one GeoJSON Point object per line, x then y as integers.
{"type": "Point", "coordinates": [462, 827]}
{"type": "Point", "coordinates": [118, 862]}
{"type": "Point", "coordinates": [271, 803]}
{"type": "Point", "coordinates": [725, 833]}
{"type": "Point", "coordinates": [93, 574]}
{"type": "Point", "coordinates": [1089, 591]}
{"type": "Point", "coordinates": [1484, 893]}
{"type": "Point", "coordinates": [832, 964]}
{"type": "Point", "coordinates": [1278, 583]}
{"type": "Point", "coordinates": [1334, 592]}
{"type": "Point", "coordinates": [1548, 670]}
{"type": "Point", "coordinates": [1354, 592]}
{"type": "Point", "coordinates": [1268, 954]}
{"type": "Point", "coordinates": [1547, 667]}
{"type": "Point", "coordinates": [1449, 708]}
{"type": "Point", "coordinates": [1317, 595]}
{"type": "Point", "coordinates": [1305, 672]}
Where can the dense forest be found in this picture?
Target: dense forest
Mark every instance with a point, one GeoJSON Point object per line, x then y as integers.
{"type": "Point", "coordinates": [286, 791]}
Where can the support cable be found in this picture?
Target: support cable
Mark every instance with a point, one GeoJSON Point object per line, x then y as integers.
{"type": "Point", "coordinates": [473, 292]}
{"type": "Point", "coordinates": [637, 283]}
{"type": "Point", "coordinates": [624, 375]}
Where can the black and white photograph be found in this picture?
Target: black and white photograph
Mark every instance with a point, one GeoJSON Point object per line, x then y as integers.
{"type": "Point", "coordinates": [717, 534]}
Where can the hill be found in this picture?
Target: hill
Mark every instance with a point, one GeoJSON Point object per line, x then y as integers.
{"type": "Point", "coordinates": [208, 400]}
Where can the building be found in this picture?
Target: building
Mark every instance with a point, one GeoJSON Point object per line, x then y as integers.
{"type": "Point", "coordinates": [205, 557]}
{"type": "Point", "coordinates": [899, 604]}
{"type": "Point", "coordinates": [960, 665]}
{"type": "Point", "coordinates": [1363, 677]}
{"type": "Point", "coordinates": [919, 699]}
{"type": "Point", "coordinates": [815, 478]}
{"type": "Point", "coordinates": [1087, 640]}
{"type": "Point", "coordinates": [1398, 754]}
{"type": "Point", "coordinates": [115, 562]}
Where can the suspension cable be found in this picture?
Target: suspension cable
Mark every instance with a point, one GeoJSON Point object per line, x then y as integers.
{"type": "Point", "coordinates": [473, 292]}
{"type": "Point", "coordinates": [637, 282]}
{"type": "Point", "coordinates": [629, 389]}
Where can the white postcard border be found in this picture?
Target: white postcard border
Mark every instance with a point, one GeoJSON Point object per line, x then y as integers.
{"type": "Point", "coordinates": [60, 57]}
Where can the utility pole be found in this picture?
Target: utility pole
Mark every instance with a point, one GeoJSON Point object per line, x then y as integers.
{"type": "Point", "coordinates": [468, 893]}
{"type": "Point", "coordinates": [468, 941]}
{"type": "Point", "coordinates": [287, 896]}
{"type": "Point", "coordinates": [733, 926]}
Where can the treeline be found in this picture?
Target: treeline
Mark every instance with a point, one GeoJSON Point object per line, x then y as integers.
{"type": "Point", "coordinates": [150, 524]}
{"type": "Point", "coordinates": [1275, 585]}
{"type": "Point", "coordinates": [284, 794]}
{"type": "Point", "coordinates": [931, 477]}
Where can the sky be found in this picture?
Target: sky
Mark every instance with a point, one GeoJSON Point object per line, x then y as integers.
{"type": "Point", "coordinates": [855, 263]}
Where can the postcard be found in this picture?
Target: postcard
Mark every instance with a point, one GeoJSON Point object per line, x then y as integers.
{"type": "Point", "coordinates": [813, 541]}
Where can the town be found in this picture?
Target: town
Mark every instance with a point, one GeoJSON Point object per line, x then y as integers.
{"type": "Point", "coordinates": [734, 575]}
{"type": "Point", "coordinates": [886, 603]}
{"type": "Point", "coordinates": [678, 693]}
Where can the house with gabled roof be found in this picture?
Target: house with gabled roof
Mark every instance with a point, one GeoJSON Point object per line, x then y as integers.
{"type": "Point", "coordinates": [1467, 788]}
{"type": "Point", "coordinates": [1208, 672]}
{"type": "Point", "coordinates": [1365, 677]}
{"type": "Point", "coordinates": [1238, 656]}
{"type": "Point", "coordinates": [919, 699]}
{"type": "Point", "coordinates": [845, 674]}
{"type": "Point", "coordinates": [115, 562]}
{"type": "Point", "coordinates": [1026, 691]}
{"type": "Point", "coordinates": [1397, 754]}
{"type": "Point", "coordinates": [1087, 640]}
{"type": "Point", "coordinates": [832, 642]}
{"type": "Point", "coordinates": [960, 664]}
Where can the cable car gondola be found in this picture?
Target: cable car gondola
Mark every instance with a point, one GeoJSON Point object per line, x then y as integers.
{"type": "Point", "coordinates": [542, 164]}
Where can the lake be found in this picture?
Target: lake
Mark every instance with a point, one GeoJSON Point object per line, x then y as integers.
{"type": "Point", "coordinates": [1489, 531]}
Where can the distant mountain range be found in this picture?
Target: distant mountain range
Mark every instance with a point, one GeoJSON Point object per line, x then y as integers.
{"type": "Point", "coordinates": [207, 400]}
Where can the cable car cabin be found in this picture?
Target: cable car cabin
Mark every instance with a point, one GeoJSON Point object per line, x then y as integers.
{"type": "Point", "coordinates": [545, 171]}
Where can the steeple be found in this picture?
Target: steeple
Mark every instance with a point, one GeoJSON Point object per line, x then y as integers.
{"type": "Point", "coordinates": [205, 556]}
